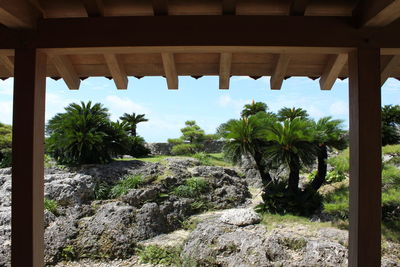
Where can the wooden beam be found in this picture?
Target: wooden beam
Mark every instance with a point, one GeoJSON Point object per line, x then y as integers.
{"type": "Point", "coordinates": [387, 69]}
{"type": "Point", "coordinates": [229, 7]}
{"type": "Point", "coordinates": [94, 8]}
{"type": "Point", "coordinates": [365, 158]}
{"type": "Point", "coordinates": [18, 14]}
{"type": "Point", "coordinates": [170, 70]}
{"type": "Point", "coordinates": [225, 64]}
{"type": "Point", "coordinates": [376, 13]}
{"type": "Point", "coordinates": [160, 7]}
{"type": "Point", "coordinates": [288, 31]}
{"type": "Point", "coordinates": [280, 71]}
{"type": "Point", "coordinates": [117, 71]}
{"type": "Point", "coordinates": [298, 7]}
{"type": "Point", "coordinates": [332, 70]}
{"type": "Point", "coordinates": [27, 219]}
{"type": "Point", "coordinates": [7, 64]}
{"type": "Point", "coordinates": [67, 71]}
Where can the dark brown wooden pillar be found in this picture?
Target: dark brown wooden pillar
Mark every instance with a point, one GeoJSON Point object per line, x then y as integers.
{"type": "Point", "coordinates": [365, 158]}
{"type": "Point", "coordinates": [27, 161]}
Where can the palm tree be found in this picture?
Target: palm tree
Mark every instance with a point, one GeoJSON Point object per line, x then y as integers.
{"type": "Point", "coordinates": [132, 120]}
{"type": "Point", "coordinates": [247, 136]}
{"type": "Point", "coordinates": [292, 113]}
{"type": "Point", "coordinates": [291, 145]}
{"type": "Point", "coordinates": [328, 134]}
{"type": "Point", "coordinates": [80, 135]}
{"type": "Point", "coordinates": [253, 108]}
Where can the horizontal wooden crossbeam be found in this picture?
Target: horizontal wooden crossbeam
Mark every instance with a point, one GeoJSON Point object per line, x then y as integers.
{"type": "Point", "coordinates": [203, 31]}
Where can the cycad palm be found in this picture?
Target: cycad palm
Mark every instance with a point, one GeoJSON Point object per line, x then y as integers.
{"type": "Point", "coordinates": [245, 137]}
{"type": "Point", "coordinates": [253, 108]}
{"type": "Point", "coordinates": [132, 120]}
{"type": "Point", "coordinates": [292, 113]}
{"type": "Point", "coordinates": [328, 134]}
{"type": "Point", "coordinates": [79, 135]}
{"type": "Point", "coordinates": [291, 145]}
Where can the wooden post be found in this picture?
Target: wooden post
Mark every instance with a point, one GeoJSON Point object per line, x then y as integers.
{"type": "Point", "coordinates": [27, 245]}
{"type": "Point", "coordinates": [365, 158]}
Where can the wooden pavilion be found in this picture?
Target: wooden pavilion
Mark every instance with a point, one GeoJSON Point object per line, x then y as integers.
{"type": "Point", "coordinates": [76, 39]}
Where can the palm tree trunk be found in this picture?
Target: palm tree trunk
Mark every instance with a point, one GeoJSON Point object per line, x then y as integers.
{"type": "Point", "coordinates": [133, 131]}
{"type": "Point", "coordinates": [294, 175]}
{"type": "Point", "coordinates": [265, 176]}
{"type": "Point", "coordinates": [319, 179]}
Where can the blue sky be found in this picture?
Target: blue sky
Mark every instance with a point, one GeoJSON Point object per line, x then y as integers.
{"type": "Point", "coordinates": [199, 100]}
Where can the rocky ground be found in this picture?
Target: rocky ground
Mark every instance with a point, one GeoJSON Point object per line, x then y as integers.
{"type": "Point", "coordinates": [222, 231]}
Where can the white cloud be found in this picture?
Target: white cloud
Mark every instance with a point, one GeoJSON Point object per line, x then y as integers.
{"type": "Point", "coordinates": [6, 108]}
{"type": "Point", "coordinates": [226, 101]}
{"type": "Point", "coordinates": [119, 105]}
{"type": "Point", "coordinates": [339, 108]}
{"type": "Point", "coordinates": [391, 85]}
{"type": "Point", "coordinates": [6, 87]}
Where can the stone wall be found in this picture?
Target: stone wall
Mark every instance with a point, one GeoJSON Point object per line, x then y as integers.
{"type": "Point", "coordinates": [165, 148]}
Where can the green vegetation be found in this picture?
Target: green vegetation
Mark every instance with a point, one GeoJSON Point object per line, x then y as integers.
{"type": "Point", "coordinates": [253, 109]}
{"type": "Point", "coordinates": [192, 188]}
{"type": "Point", "coordinates": [131, 121]}
{"type": "Point", "coordinates": [390, 124]}
{"type": "Point", "coordinates": [191, 141]}
{"type": "Point", "coordinates": [287, 139]}
{"type": "Point", "coordinates": [84, 134]}
{"type": "Point", "coordinates": [5, 145]}
{"type": "Point", "coordinates": [122, 187]}
{"type": "Point", "coordinates": [68, 253]}
{"type": "Point", "coordinates": [51, 205]}
{"type": "Point", "coordinates": [164, 256]}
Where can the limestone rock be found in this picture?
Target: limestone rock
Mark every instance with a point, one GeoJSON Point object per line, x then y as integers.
{"type": "Point", "coordinates": [240, 217]}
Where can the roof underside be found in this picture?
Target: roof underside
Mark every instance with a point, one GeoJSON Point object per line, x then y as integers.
{"type": "Point", "coordinates": [197, 61]}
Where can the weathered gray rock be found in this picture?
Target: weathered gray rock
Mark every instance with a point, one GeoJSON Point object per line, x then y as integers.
{"type": "Point", "coordinates": [240, 217]}
{"type": "Point", "coordinates": [137, 197]}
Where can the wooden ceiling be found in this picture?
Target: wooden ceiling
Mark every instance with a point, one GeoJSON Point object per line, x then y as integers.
{"type": "Point", "coordinates": [73, 63]}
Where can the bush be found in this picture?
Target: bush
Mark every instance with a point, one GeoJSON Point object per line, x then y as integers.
{"type": "Point", "coordinates": [277, 199]}
{"type": "Point", "coordinates": [84, 134]}
{"type": "Point", "coordinates": [156, 255]}
{"type": "Point", "coordinates": [186, 149]}
{"type": "Point", "coordinates": [102, 191]}
{"type": "Point", "coordinates": [391, 150]}
{"type": "Point", "coordinates": [51, 205]}
{"type": "Point", "coordinates": [203, 158]}
{"type": "Point", "coordinates": [176, 141]}
{"type": "Point", "coordinates": [6, 158]}
{"type": "Point", "coordinates": [123, 186]}
{"type": "Point", "coordinates": [341, 162]}
{"type": "Point", "coordinates": [137, 147]}
{"type": "Point", "coordinates": [192, 188]}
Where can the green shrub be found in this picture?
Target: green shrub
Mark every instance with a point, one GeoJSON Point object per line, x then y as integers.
{"type": "Point", "coordinates": [68, 253]}
{"type": "Point", "coordinates": [192, 188]}
{"type": "Point", "coordinates": [123, 186]}
{"type": "Point", "coordinates": [137, 147]}
{"type": "Point", "coordinates": [341, 162]}
{"type": "Point", "coordinates": [186, 149]}
{"type": "Point", "coordinates": [6, 158]}
{"type": "Point", "coordinates": [156, 255]}
{"type": "Point", "coordinates": [51, 205]}
{"type": "Point", "coordinates": [102, 191]}
{"type": "Point", "coordinates": [203, 158]}
{"type": "Point", "coordinates": [391, 150]}
{"type": "Point", "coordinates": [279, 200]}
{"type": "Point", "coordinates": [334, 176]}
{"type": "Point", "coordinates": [390, 176]}
{"type": "Point", "coordinates": [175, 141]}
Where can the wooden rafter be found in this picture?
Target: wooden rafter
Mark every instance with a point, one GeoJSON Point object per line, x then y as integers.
{"type": "Point", "coordinates": [160, 7]}
{"type": "Point", "coordinates": [298, 7]}
{"type": "Point", "coordinates": [170, 70]}
{"type": "Point", "coordinates": [94, 8]}
{"type": "Point", "coordinates": [377, 13]}
{"type": "Point", "coordinates": [225, 63]}
{"type": "Point", "coordinates": [387, 70]}
{"type": "Point", "coordinates": [7, 64]}
{"type": "Point", "coordinates": [229, 7]}
{"type": "Point", "coordinates": [332, 70]}
{"type": "Point", "coordinates": [67, 71]}
{"type": "Point", "coordinates": [117, 71]}
{"type": "Point", "coordinates": [280, 71]}
{"type": "Point", "coordinates": [18, 14]}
